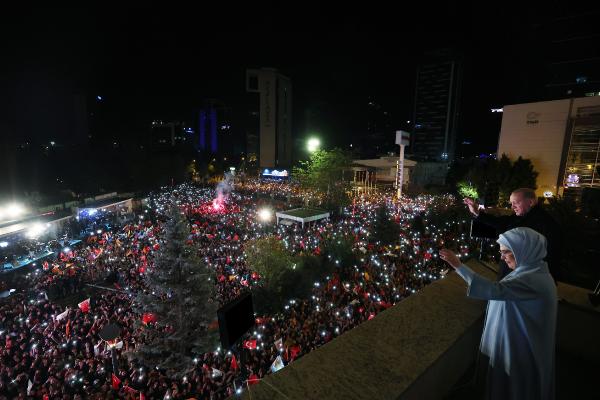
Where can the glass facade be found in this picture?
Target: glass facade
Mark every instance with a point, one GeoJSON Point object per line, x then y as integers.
{"type": "Point", "coordinates": [582, 168]}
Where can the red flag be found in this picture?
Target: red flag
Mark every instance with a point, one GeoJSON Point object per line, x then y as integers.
{"type": "Point", "coordinates": [129, 390]}
{"type": "Point", "coordinates": [294, 351]}
{"type": "Point", "coordinates": [253, 379]}
{"type": "Point", "coordinates": [250, 344]}
{"type": "Point", "coordinates": [45, 397]}
{"type": "Point", "coordinates": [68, 329]}
{"type": "Point", "coordinates": [142, 397]}
{"type": "Point", "coordinates": [236, 237]}
{"type": "Point", "coordinates": [148, 318]}
{"type": "Point", "coordinates": [234, 364]}
{"type": "Point", "coordinates": [385, 305]}
{"type": "Point", "coordinates": [115, 382]}
{"type": "Point", "coordinates": [85, 305]}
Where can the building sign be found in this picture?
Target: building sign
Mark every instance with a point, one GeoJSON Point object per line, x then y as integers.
{"type": "Point", "coordinates": [533, 118]}
{"type": "Point", "coordinates": [275, 173]}
{"type": "Point", "coordinates": [403, 138]}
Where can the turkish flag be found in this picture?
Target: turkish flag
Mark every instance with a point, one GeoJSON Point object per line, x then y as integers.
{"type": "Point", "coordinates": [116, 382]}
{"type": "Point", "coordinates": [250, 344]}
{"type": "Point", "coordinates": [84, 305]}
{"type": "Point", "coordinates": [129, 390]}
{"type": "Point", "coordinates": [148, 318]}
{"type": "Point", "coordinates": [234, 364]}
{"type": "Point", "coordinates": [294, 351]}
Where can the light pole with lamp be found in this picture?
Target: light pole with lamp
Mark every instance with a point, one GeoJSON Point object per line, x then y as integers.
{"type": "Point", "coordinates": [313, 144]}
{"type": "Point", "coordinates": [264, 216]}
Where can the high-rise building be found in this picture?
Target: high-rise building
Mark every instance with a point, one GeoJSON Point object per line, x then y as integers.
{"type": "Point", "coordinates": [379, 135]}
{"type": "Point", "coordinates": [275, 115]}
{"type": "Point", "coordinates": [436, 108]}
{"type": "Point", "coordinates": [566, 41]}
{"type": "Point", "coordinates": [168, 133]}
{"type": "Point", "coordinates": [214, 128]}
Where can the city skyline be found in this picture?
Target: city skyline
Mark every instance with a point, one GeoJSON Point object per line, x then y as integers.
{"type": "Point", "coordinates": [141, 65]}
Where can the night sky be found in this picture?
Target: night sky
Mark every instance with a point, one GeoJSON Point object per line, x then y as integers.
{"type": "Point", "coordinates": [161, 63]}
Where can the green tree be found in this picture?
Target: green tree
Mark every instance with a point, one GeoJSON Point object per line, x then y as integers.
{"type": "Point", "coordinates": [285, 276]}
{"type": "Point", "coordinates": [466, 189]}
{"type": "Point", "coordinates": [269, 257]}
{"type": "Point", "coordinates": [339, 256]}
{"type": "Point", "coordinates": [504, 171]}
{"type": "Point", "coordinates": [275, 265]}
{"type": "Point", "coordinates": [493, 180]}
{"type": "Point", "coordinates": [323, 173]}
{"type": "Point", "coordinates": [521, 175]}
{"type": "Point", "coordinates": [181, 295]}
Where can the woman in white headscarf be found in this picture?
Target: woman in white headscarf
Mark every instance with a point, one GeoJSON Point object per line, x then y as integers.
{"type": "Point", "coordinates": [520, 325]}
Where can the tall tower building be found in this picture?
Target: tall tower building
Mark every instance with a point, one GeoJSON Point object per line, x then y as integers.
{"type": "Point", "coordinates": [275, 127]}
{"type": "Point", "coordinates": [436, 108]}
{"type": "Point", "coordinates": [214, 128]}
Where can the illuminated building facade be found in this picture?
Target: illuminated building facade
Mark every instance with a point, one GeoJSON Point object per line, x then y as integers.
{"type": "Point", "coordinates": [275, 132]}
{"type": "Point", "coordinates": [561, 138]}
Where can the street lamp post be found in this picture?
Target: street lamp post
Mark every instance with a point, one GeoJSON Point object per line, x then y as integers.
{"type": "Point", "coordinates": [313, 144]}
{"type": "Point", "coordinates": [264, 216]}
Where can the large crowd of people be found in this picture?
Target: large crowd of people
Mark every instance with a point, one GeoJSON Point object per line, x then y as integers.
{"type": "Point", "coordinates": [50, 346]}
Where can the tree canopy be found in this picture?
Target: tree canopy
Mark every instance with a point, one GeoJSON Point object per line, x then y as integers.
{"type": "Point", "coordinates": [323, 175]}
{"type": "Point", "coordinates": [493, 180]}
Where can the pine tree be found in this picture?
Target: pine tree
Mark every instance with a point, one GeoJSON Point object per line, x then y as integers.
{"type": "Point", "coordinates": [180, 294]}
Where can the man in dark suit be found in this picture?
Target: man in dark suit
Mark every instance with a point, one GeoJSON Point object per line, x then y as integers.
{"type": "Point", "coordinates": [529, 214]}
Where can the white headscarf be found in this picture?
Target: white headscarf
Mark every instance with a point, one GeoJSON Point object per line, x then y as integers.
{"type": "Point", "coordinates": [528, 247]}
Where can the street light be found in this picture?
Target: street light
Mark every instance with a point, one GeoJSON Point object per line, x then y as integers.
{"type": "Point", "coordinates": [11, 211]}
{"type": "Point", "coordinates": [313, 145]}
{"type": "Point", "coordinates": [265, 215]}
